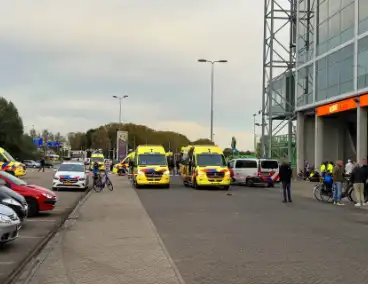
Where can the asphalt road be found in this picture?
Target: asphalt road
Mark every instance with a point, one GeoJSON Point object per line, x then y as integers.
{"type": "Point", "coordinates": [251, 237]}
{"type": "Point", "coordinates": [36, 228]}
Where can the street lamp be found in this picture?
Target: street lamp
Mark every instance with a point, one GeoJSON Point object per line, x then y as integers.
{"type": "Point", "coordinates": [120, 102]}
{"type": "Point", "coordinates": [212, 86]}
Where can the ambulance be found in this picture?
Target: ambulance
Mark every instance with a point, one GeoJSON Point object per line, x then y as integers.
{"type": "Point", "coordinates": [205, 166]}
{"type": "Point", "coordinates": [150, 167]}
{"type": "Point", "coordinates": [10, 165]}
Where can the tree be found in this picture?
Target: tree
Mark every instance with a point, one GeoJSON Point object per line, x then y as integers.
{"type": "Point", "coordinates": [203, 141]}
{"type": "Point", "coordinates": [12, 136]}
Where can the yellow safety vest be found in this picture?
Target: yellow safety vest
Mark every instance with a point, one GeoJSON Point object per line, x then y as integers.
{"type": "Point", "coordinates": [330, 168]}
{"type": "Point", "coordinates": [323, 168]}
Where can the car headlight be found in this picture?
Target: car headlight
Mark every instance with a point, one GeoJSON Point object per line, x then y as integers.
{"type": "Point", "coordinates": [11, 201]}
{"type": "Point", "coordinates": [82, 179]}
{"type": "Point", "coordinates": [56, 178]}
{"type": "Point", "coordinates": [49, 196]}
{"type": "Point", "coordinates": [227, 173]}
{"type": "Point", "coordinates": [201, 174]}
{"type": "Point", "coordinates": [140, 173]}
{"type": "Point", "coordinates": [166, 172]}
{"type": "Point", "coordinates": [4, 219]}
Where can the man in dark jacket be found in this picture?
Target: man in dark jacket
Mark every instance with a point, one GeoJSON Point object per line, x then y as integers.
{"type": "Point", "coordinates": [285, 178]}
{"type": "Point", "coordinates": [359, 177]}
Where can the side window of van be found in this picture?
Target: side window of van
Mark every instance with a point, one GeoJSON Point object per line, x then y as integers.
{"type": "Point", "coordinates": [246, 164]}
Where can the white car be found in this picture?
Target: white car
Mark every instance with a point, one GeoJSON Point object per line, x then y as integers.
{"type": "Point", "coordinates": [9, 224]}
{"type": "Point", "coordinates": [70, 175]}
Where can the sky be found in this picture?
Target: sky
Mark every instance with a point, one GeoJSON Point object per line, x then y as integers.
{"type": "Point", "coordinates": [62, 61]}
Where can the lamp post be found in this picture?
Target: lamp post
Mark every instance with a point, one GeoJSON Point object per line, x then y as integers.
{"type": "Point", "coordinates": [120, 102]}
{"type": "Point", "coordinates": [212, 87]}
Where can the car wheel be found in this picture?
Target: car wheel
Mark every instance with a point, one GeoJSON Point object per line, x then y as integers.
{"type": "Point", "coordinates": [32, 207]}
{"type": "Point", "coordinates": [249, 182]}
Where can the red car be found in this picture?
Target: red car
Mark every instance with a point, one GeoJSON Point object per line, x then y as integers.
{"type": "Point", "coordinates": [37, 197]}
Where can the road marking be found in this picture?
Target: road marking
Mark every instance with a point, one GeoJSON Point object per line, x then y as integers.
{"type": "Point", "coordinates": [7, 262]}
{"type": "Point", "coordinates": [30, 237]}
{"type": "Point", "coordinates": [41, 220]}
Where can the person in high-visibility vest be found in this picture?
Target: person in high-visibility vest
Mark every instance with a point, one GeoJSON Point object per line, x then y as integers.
{"type": "Point", "coordinates": [330, 167]}
{"type": "Point", "coordinates": [322, 169]}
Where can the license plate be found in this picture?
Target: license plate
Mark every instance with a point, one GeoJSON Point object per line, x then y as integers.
{"type": "Point", "coordinates": [153, 182]}
{"type": "Point", "coordinates": [215, 183]}
{"type": "Point", "coordinates": [67, 183]}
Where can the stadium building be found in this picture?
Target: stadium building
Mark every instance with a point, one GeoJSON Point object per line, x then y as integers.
{"type": "Point", "coordinates": [331, 80]}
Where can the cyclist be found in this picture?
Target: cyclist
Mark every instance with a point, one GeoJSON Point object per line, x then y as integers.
{"type": "Point", "coordinates": [96, 171]}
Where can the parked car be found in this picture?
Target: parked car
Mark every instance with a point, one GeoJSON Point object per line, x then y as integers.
{"type": "Point", "coordinates": [9, 224]}
{"type": "Point", "coordinates": [48, 164]}
{"type": "Point", "coordinates": [71, 175]}
{"type": "Point", "coordinates": [38, 198]}
{"type": "Point", "coordinates": [18, 208]}
{"type": "Point", "coordinates": [31, 164]}
{"type": "Point", "coordinates": [14, 200]}
{"type": "Point", "coordinates": [253, 171]}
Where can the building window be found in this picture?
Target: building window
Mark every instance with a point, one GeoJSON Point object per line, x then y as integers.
{"type": "Point", "coordinates": [362, 63]}
{"type": "Point", "coordinates": [335, 74]}
{"type": "Point", "coordinates": [363, 16]}
{"type": "Point", "coordinates": [335, 26]}
{"type": "Point", "coordinates": [305, 86]}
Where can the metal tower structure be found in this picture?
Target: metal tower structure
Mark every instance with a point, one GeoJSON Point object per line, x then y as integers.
{"type": "Point", "coordinates": [279, 57]}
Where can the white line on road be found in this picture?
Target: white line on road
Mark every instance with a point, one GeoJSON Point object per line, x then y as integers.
{"type": "Point", "coordinates": [7, 262]}
{"type": "Point", "coordinates": [30, 237]}
{"type": "Point", "coordinates": [41, 220]}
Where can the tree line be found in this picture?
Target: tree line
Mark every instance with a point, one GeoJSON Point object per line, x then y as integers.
{"type": "Point", "coordinates": [104, 137]}
{"type": "Point", "coordinates": [12, 136]}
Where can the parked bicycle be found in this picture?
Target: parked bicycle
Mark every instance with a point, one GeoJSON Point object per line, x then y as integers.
{"type": "Point", "coordinates": [325, 194]}
{"type": "Point", "coordinates": [101, 182]}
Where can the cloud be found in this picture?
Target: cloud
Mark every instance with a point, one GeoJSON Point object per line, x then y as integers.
{"type": "Point", "coordinates": [61, 61]}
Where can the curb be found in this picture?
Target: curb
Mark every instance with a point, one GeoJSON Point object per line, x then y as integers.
{"type": "Point", "coordinates": [16, 274]}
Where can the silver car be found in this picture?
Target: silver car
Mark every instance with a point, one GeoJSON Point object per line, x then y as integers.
{"type": "Point", "coordinates": [9, 224]}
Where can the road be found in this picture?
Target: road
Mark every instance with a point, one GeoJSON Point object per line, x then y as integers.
{"type": "Point", "coordinates": [251, 237]}
{"type": "Point", "coordinates": [36, 228]}
{"type": "Point", "coordinates": [247, 237]}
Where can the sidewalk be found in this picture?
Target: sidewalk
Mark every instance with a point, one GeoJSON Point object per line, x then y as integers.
{"type": "Point", "coordinates": [112, 241]}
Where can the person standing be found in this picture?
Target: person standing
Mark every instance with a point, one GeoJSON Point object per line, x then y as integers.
{"type": "Point", "coordinates": [349, 167]}
{"type": "Point", "coordinates": [285, 174]}
{"type": "Point", "coordinates": [338, 179]}
{"type": "Point", "coordinates": [42, 165]}
{"type": "Point", "coordinates": [358, 178]}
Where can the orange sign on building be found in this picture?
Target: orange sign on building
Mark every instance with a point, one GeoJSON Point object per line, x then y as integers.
{"type": "Point", "coordinates": [337, 107]}
{"type": "Point", "coordinates": [363, 100]}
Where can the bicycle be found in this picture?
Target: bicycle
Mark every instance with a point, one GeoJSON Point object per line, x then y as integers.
{"type": "Point", "coordinates": [324, 194]}
{"type": "Point", "coordinates": [100, 183]}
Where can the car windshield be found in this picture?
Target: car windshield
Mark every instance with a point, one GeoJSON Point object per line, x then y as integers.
{"type": "Point", "coordinates": [71, 168]}
{"type": "Point", "coordinates": [154, 159]}
{"type": "Point", "coordinates": [211, 160]}
{"type": "Point", "coordinates": [12, 178]}
{"type": "Point", "coordinates": [97, 159]}
{"type": "Point", "coordinates": [8, 157]}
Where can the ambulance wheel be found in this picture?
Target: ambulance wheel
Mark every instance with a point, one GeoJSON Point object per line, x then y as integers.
{"type": "Point", "coordinates": [195, 185]}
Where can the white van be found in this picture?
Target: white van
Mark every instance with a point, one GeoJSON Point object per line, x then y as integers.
{"type": "Point", "coordinates": [253, 171]}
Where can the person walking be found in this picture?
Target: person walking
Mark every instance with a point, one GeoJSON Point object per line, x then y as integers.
{"type": "Point", "coordinates": [358, 178]}
{"type": "Point", "coordinates": [285, 174]}
{"type": "Point", "coordinates": [338, 179]}
{"type": "Point", "coordinates": [42, 165]}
